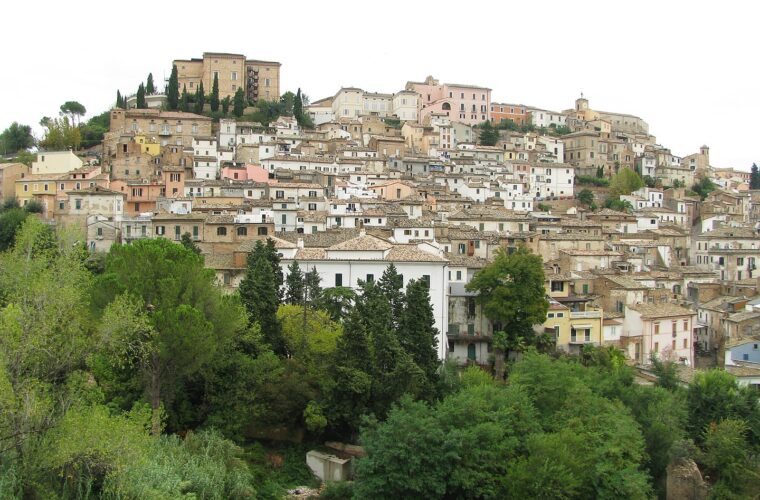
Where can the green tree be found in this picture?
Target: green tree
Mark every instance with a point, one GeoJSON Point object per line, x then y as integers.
{"type": "Point", "coordinates": [312, 288]}
{"type": "Point", "coordinates": [164, 317]}
{"type": "Point", "coordinates": [187, 242]}
{"type": "Point", "coordinates": [417, 333]}
{"type": "Point", "coordinates": [703, 187]}
{"type": "Point", "coordinates": [586, 197]}
{"type": "Point", "coordinates": [95, 129]}
{"type": "Point", "coordinates": [16, 138]}
{"type": "Point", "coordinates": [294, 285]}
{"type": "Point", "coordinates": [511, 290]}
{"type": "Point", "coordinates": [226, 105]}
{"type": "Point", "coordinates": [200, 99]}
{"type": "Point", "coordinates": [730, 461]}
{"type": "Point", "coordinates": [11, 220]}
{"type": "Point", "coordinates": [74, 110]}
{"type": "Point", "coordinates": [259, 293]}
{"type": "Point", "coordinates": [391, 284]}
{"type": "Point", "coordinates": [600, 172]}
{"type": "Point", "coordinates": [287, 102]}
{"type": "Point", "coordinates": [184, 103]}
{"type": "Point", "coordinates": [60, 134]}
{"type": "Point", "coordinates": [488, 135]}
{"type": "Point", "coordinates": [625, 182]}
{"type": "Point", "coordinates": [238, 103]}
{"type": "Point", "coordinates": [615, 203]}
{"type": "Point", "coordinates": [298, 107]}
{"type": "Point", "coordinates": [318, 339]}
{"type": "Point", "coordinates": [119, 100]}
{"type": "Point", "coordinates": [714, 396]}
{"type": "Point", "coordinates": [150, 88]}
{"type": "Point", "coordinates": [337, 301]}
{"type": "Point", "coordinates": [172, 90]}
{"type": "Point", "coordinates": [754, 177]}
{"type": "Point", "coordinates": [46, 334]}
{"type": "Point", "coordinates": [141, 104]}
{"type": "Point", "coordinates": [215, 94]}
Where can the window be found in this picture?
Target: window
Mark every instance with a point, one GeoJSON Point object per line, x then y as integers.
{"type": "Point", "coordinates": [338, 279]}
{"type": "Point", "coordinates": [279, 194]}
{"type": "Point", "coordinates": [177, 235]}
{"type": "Point", "coordinates": [221, 231]}
{"type": "Point", "coordinates": [100, 231]}
{"type": "Point", "coordinates": [242, 231]}
{"type": "Point", "coordinates": [233, 76]}
{"type": "Point", "coordinates": [656, 328]}
{"type": "Point", "coordinates": [262, 231]}
{"type": "Point", "coordinates": [426, 280]}
{"type": "Point", "coordinates": [78, 204]}
{"type": "Point", "coordinates": [685, 343]}
{"type": "Point", "coordinates": [459, 275]}
{"type": "Point", "coordinates": [656, 347]}
{"type": "Point", "coordinates": [686, 325]}
{"type": "Point", "coordinates": [160, 230]}
{"type": "Point", "coordinates": [370, 278]}
{"type": "Point", "coordinates": [558, 286]}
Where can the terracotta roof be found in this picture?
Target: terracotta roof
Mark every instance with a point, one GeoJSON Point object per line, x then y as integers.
{"type": "Point", "coordinates": [363, 242]}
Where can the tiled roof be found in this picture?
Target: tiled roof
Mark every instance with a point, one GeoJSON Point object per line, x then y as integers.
{"type": "Point", "coordinates": [362, 242]}
{"type": "Point", "coordinates": [661, 310]}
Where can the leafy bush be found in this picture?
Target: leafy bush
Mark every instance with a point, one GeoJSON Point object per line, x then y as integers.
{"type": "Point", "coordinates": [590, 180]}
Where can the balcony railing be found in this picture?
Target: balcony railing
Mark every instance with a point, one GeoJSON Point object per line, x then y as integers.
{"type": "Point", "coordinates": [585, 314]}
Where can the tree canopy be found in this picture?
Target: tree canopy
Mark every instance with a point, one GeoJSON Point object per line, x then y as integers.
{"type": "Point", "coordinates": [625, 182]}
{"type": "Point", "coordinates": [16, 138]}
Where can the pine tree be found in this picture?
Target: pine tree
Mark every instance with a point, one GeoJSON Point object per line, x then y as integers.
{"type": "Point", "coordinates": [172, 90]}
{"type": "Point", "coordinates": [150, 89]}
{"type": "Point", "coordinates": [239, 104]}
{"type": "Point", "coordinates": [226, 105]}
{"type": "Point", "coordinates": [184, 104]}
{"type": "Point", "coordinates": [215, 94]}
{"type": "Point", "coordinates": [268, 251]}
{"type": "Point", "coordinates": [259, 296]}
{"type": "Point", "coordinates": [754, 177]}
{"type": "Point", "coordinates": [417, 333]}
{"type": "Point", "coordinates": [298, 107]}
{"type": "Point", "coordinates": [391, 285]}
{"type": "Point", "coordinates": [200, 99]}
{"type": "Point", "coordinates": [141, 97]}
{"type": "Point", "coordinates": [294, 285]}
{"type": "Point", "coordinates": [489, 136]}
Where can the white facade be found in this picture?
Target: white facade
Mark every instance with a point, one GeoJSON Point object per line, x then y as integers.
{"type": "Point", "coordinates": [405, 105]}
{"type": "Point", "coordinates": [544, 118]}
{"type": "Point", "coordinates": [552, 180]}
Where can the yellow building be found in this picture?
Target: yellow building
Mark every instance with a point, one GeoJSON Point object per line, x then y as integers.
{"type": "Point", "coordinates": [571, 319]}
{"type": "Point", "coordinates": [148, 145]}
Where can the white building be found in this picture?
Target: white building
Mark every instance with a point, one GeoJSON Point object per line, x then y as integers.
{"type": "Point", "coordinates": [548, 180]}
{"type": "Point", "coordinates": [544, 118]}
{"type": "Point", "coordinates": [366, 257]}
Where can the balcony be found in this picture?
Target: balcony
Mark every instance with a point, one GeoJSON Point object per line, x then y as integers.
{"type": "Point", "coordinates": [585, 314]}
{"type": "Point", "coordinates": [165, 132]}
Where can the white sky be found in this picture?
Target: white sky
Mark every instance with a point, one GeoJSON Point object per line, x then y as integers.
{"type": "Point", "coordinates": [690, 69]}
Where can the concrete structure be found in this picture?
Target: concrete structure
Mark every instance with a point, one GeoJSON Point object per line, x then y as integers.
{"type": "Point", "coordinates": [9, 174]}
{"type": "Point", "coordinates": [55, 162]}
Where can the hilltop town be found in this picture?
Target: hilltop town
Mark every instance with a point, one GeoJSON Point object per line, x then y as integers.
{"type": "Point", "coordinates": [357, 180]}
{"type": "Point", "coordinates": [223, 289]}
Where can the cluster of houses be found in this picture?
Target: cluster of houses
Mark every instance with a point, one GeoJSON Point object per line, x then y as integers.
{"type": "Point", "coordinates": [401, 178]}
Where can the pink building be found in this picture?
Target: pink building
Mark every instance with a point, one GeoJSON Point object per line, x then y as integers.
{"type": "Point", "coordinates": [461, 103]}
{"type": "Point", "coordinates": [248, 172]}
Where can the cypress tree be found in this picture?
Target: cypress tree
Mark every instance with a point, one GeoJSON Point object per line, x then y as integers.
{"type": "Point", "coordinates": [226, 105]}
{"type": "Point", "coordinates": [417, 333]}
{"type": "Point", "coordinates": [215, 94]}
{"type": "Point", "coordinates": [141, 97]}
{"type": "Point", "coordinates": [239, 104]}
{"type": "Point", "coordinates": [259, 296]}
{"type": "Point", "coordinates": [200, 99]}
{"type": "Point", "coordinates": [754, 177]}
{"type": "Point", "coordinates": [268, 251]}
{"type": "Point", "coordinates": [391, 285]}
{"type": "Point", "coordinates": [172, 91]}
{"type": "Point", "coordinates": [184, 104]}
{"type": "Point", "coordinates": [294, 285]}
{"type": "Point", "coordinates": [312, 289]}
{"type": "Point", "coordinates": [150, 89]}
{"type": "Point", "coordinates": [119, 100]}
{"type": "Point", "coordinates": [298, 107]}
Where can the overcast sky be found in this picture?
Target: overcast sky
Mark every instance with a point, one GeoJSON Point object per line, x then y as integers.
{"type": "Point", "coordinates": [690, 69]}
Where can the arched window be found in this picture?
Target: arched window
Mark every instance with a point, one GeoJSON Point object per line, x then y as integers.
{"type": "Point", "coordinates": [262, 231]}
{"type": "Point", "coordinates": [221, 231]}
{"type": "Point", "coordinates": [446, 106]}
{"type": "Point", "coordinates": [242, 231]}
